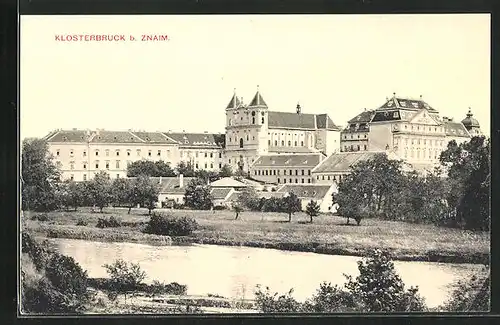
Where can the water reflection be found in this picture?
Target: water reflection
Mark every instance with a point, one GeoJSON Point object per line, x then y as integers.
{"type": "Point", "coordinates": [235, 271]}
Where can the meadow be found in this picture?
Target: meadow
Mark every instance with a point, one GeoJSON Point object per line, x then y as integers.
{"type": "Point", "coordinates": [326, 235]}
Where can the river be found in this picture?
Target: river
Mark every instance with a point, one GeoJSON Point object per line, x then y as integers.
{"type": "Point", "coordinates": [234, 272]}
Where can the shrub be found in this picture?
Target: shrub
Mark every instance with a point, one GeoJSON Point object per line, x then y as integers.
{"type": "Point", "coordinates": [160, 224]}
{"type": "Point", "coordinates": [40, 217]}
{"type": "Point", "coordinates": [220, 207]}
{"type": "Point", "coordinates": [81, 222]}
{"type": "Point", "coordinates": [158, 288]}
{"type": "Point", "coordinates": [332, 299]}
{"type": "Point", "coordinates": [272, 303]}
{"type": "Point", "coordinates": [67, 276]}
{"type": "Point", "coordinates": [124, 277]}
{"type": "Point", "coordinates": [470, 295]}
{"type": "Point", "coordinates": [112, 222]}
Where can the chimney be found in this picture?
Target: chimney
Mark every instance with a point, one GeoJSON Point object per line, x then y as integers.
{"type": "Point", "coordinates": [298, 109]}
{"type": "Point", "coordinates": [181, 181]}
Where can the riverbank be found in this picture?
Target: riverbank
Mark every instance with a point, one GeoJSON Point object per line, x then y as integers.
{"type": "Point", "coordinates": [327, 235]}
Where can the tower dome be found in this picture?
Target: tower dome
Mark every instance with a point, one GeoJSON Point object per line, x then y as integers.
{"type": "Point", "coordinates": [469, 122]}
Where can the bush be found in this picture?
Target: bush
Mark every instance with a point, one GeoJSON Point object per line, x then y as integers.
{"type": "Point", "coordinates": [272, 303]}
{"type": "Point", "coordinates": [166, 225]}
{"type": "Point", "coordinates": [66, 275]}
{"type": "Point", "coordinates": [472, 295]}
{"type": "Point", "coordinates": [220, 207]}
{"type": "Point", "coordinates": [112, 222]}
{"type": "Point", "coordinates": [159, 288]}
{"type": "Point", "coordinates": [82, 222]}
{"type": "Point", "coordinates": [40, 217]}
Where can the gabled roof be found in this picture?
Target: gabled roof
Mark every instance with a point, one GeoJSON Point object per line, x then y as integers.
{"type": "Point", "coordinates": [258, 100]}
{"type": "Point", "coordinates": [363, 117]}
{"type": "Point", "coordinates": [455, 129]}
{"type": "Point", "coordinates": [306, 191]}
{"type": "Point", "coordinates": [268, 195]}
{"type": "Point", "coordinates": [220, 193]}
{"type": "Point", "coordinates": [170, 185]}
{"type": "Point", "coordinates": [227, 182]}
{"type": "Point", "coordinates": [153, 137]}
{"type": "Point", "coordinates": [68, 136]}
{"type": "Point", "coordinates": [323, 121]}
{"type": "Point", "coordinates": [104, 136]}
{"type": "Point", "coordinates": [341, 162]}
{"type": "Point", "coordinates": [288, 160]}
{"type": "Point", "coordinates": [196, 139]}
{"type": "Point", "coordinates": [406, 103]}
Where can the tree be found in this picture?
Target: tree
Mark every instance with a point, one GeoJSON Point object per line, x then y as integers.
{"type": "Point", "coordinates": [185, 168]}
{"type": "Point", "coordinates": [207, 175]}
{"type": "Point", "coordinates": [100, 190]}
{"type": "Point", "coordinates": [146, 192]}
{"type": "Point", "coordinates": [468, 167]}
{"type": "Point", "coordinates": [39, 176]}
{"type": "Point", "coordinates": [248, 199]}
{"type": "Point", "coordinates": [237, 209]}
{"type": "Point", "coordinates": [121, 189]}
{"type": "Point", "coordinates": [150, 168]}
{"type": "Point", "coordinates": [71, 194]}
{"type": "Point", "coordinates": [197, 195]}
{"type": "Point", "coordinates": [291, 204]}
{"type": "Point", "coordinates": [312, 209]}
{"type": "Point", "coordinates": [226, 171]}
{"type": "Point", "coordinates": [124, 277]}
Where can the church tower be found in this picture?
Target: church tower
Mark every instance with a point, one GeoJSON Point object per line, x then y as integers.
{"type": "Point", "coordinates": [471, 124]}
{"type": "Point", "coordinates": [246, 131]}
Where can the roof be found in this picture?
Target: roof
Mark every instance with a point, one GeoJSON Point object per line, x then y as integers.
{"type": "Point", "coordinates": [309, 191]}
{"type": "Point", "coordinates": [197, 139]}
{"type": "Point", "coordinates": [268, 195]}
{"type": "Point", "coordinates": [227, 182]}
{"type": "Point", "coordinates": [234, 196]}
{"type": "Point", "coordinates": [258, 100]}
{"type": "Point", "coordinates": [220, 193]}
{"type": "Point", "coordinates": [469, 121]}
{"type": "Point", "coordinates": [363, 117]}
{"type": "Point", "coordinates": [171, 184]}
{"type": "Point", "coordinates": [288, 160]}
{"type": "Point", "coordinates": [290, 120]}
{"type": "Point", "coordinates": [153, 137]}
{"type": "Point", "coordinates": [234, 103]}
{"type": "Point", "coordinates": [455, 129]}
{"type": "Point", "coordinates": [342, 161]}
{"type": "Point", "coordinates": [68, 136]}
{"type": "Point", "coordinates": [104, 136]}
{"type": "Point", "coordinates": [406, 103]}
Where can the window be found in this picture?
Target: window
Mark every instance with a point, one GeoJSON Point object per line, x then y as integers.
{"type": "Point", "coordinates": [117, 164]}
{"type": "Point", "coordinates": [296, 172]}
{"type": "Point", "coordinates": [255, 172]}
{"type": "Point", "coordinates": [278, 180]}
{"type": "Point", "coordinates": [290, 172]}
{"type": "Point", "coordinates": [205, 155]}
{"type": "Point", "coordinates": [302, 172]}
{"type": "Point", "coordinates": [117, 175]}
{"type": "Point", "coordinates": [220, 154]}
{"type": "Point", "coordinates": [259, 172]}
{"type": "Point", "coordinates": [211, 165]}
{"type": "Point", "coordinates": [268, 142]}
{"type": "Point", "coordinates": [138, 152]}
{"type": "Point", "coordinates": [107, 165]}
{"type": "Point", "coordinates": [57, 152]}
{"type": "Point", "coordinates": [274, 172]}
{"type": "Point", "coordinates": [295, 143]}
{"type": "Point", "coordinates": [296, 180]}
{"type": "Point", "coordinates": [253, 120]}
{"type": "Point", "coordinates": [283, 143]}
{"type": "Point", "coordinates": [290, 180]}
{"type": "Point", "coordinates": [159, 153]}
{"type": "Point", "coordinates": [365, 147]}
{"type": "Point", "coordinates": [278, 172]}
{"type": "Point", "coordinates": [284, 180]}
{"type": "Point", "coordinates": [117, 152]}
{"type": "Point", "coordinates": [84, 166]}
{"type": "Point", "coordinates": [247, 137]}
{"type": "Point", "coordinates": [128, 153]}
{"type": "Point", "coordinates": [241, 142]}
{"type": "Point", "coordinates": [229, 160]}
{"type": "Point", "coordinates": [211, 155]}
{"type": "Point", "coordinates": [72, 177]}
{"type": "Point", "coordinates": [106, 152]}
{"type": "Point", "coordinates": [72, 165]}
{"type": "Point", "coordinates": [328, 177]}
{"type": "Point", "coordinates": [205, 165]}
{"type": "Point", "coordinates": [267, 172]}
{"type": "Point", "coordinates": [196, 166]}
{"type": "Point", "coordinates": [275, 143]}
{"type": "Point", "coordinates": [71, 153]}
{"type": "Point", "coordinates": [323, 177]}
{"type": "Point", "coordinates": [262, 120]}
{"type": "Point", "coordinates": [358, 147]}
{"type": "Point", "coordinates": [84, 177]}
{"type": "Point", "coordinates": [97, 152]}
{"type": "Point", "coordinates": [97, 165]}
{"type": "Point", "coordinates": [301, 143]}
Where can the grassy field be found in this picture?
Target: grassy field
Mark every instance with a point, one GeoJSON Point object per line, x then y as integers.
{"type": "Point", "coordinates": [326, 235]}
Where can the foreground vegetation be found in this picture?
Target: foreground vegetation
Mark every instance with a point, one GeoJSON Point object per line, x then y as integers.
{"type": "Point", "coordinates": [54, 284]}
{"type": "Point", "coordinates": [327, 235]}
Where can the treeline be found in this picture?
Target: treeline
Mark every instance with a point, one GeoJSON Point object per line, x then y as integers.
{"type": "Point", "coordinates": [456, 194]}
{"type": "Point", "coordinates": [101, 192]}
{"type": "Point", "coordinates": [163, 169]}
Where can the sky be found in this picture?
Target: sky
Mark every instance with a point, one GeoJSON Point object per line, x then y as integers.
{"type": "Point", "coordinates": [335, 64]}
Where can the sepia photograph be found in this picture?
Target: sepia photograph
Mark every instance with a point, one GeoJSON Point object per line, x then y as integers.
{"type": "Point", "coordinates": [254, 164]}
